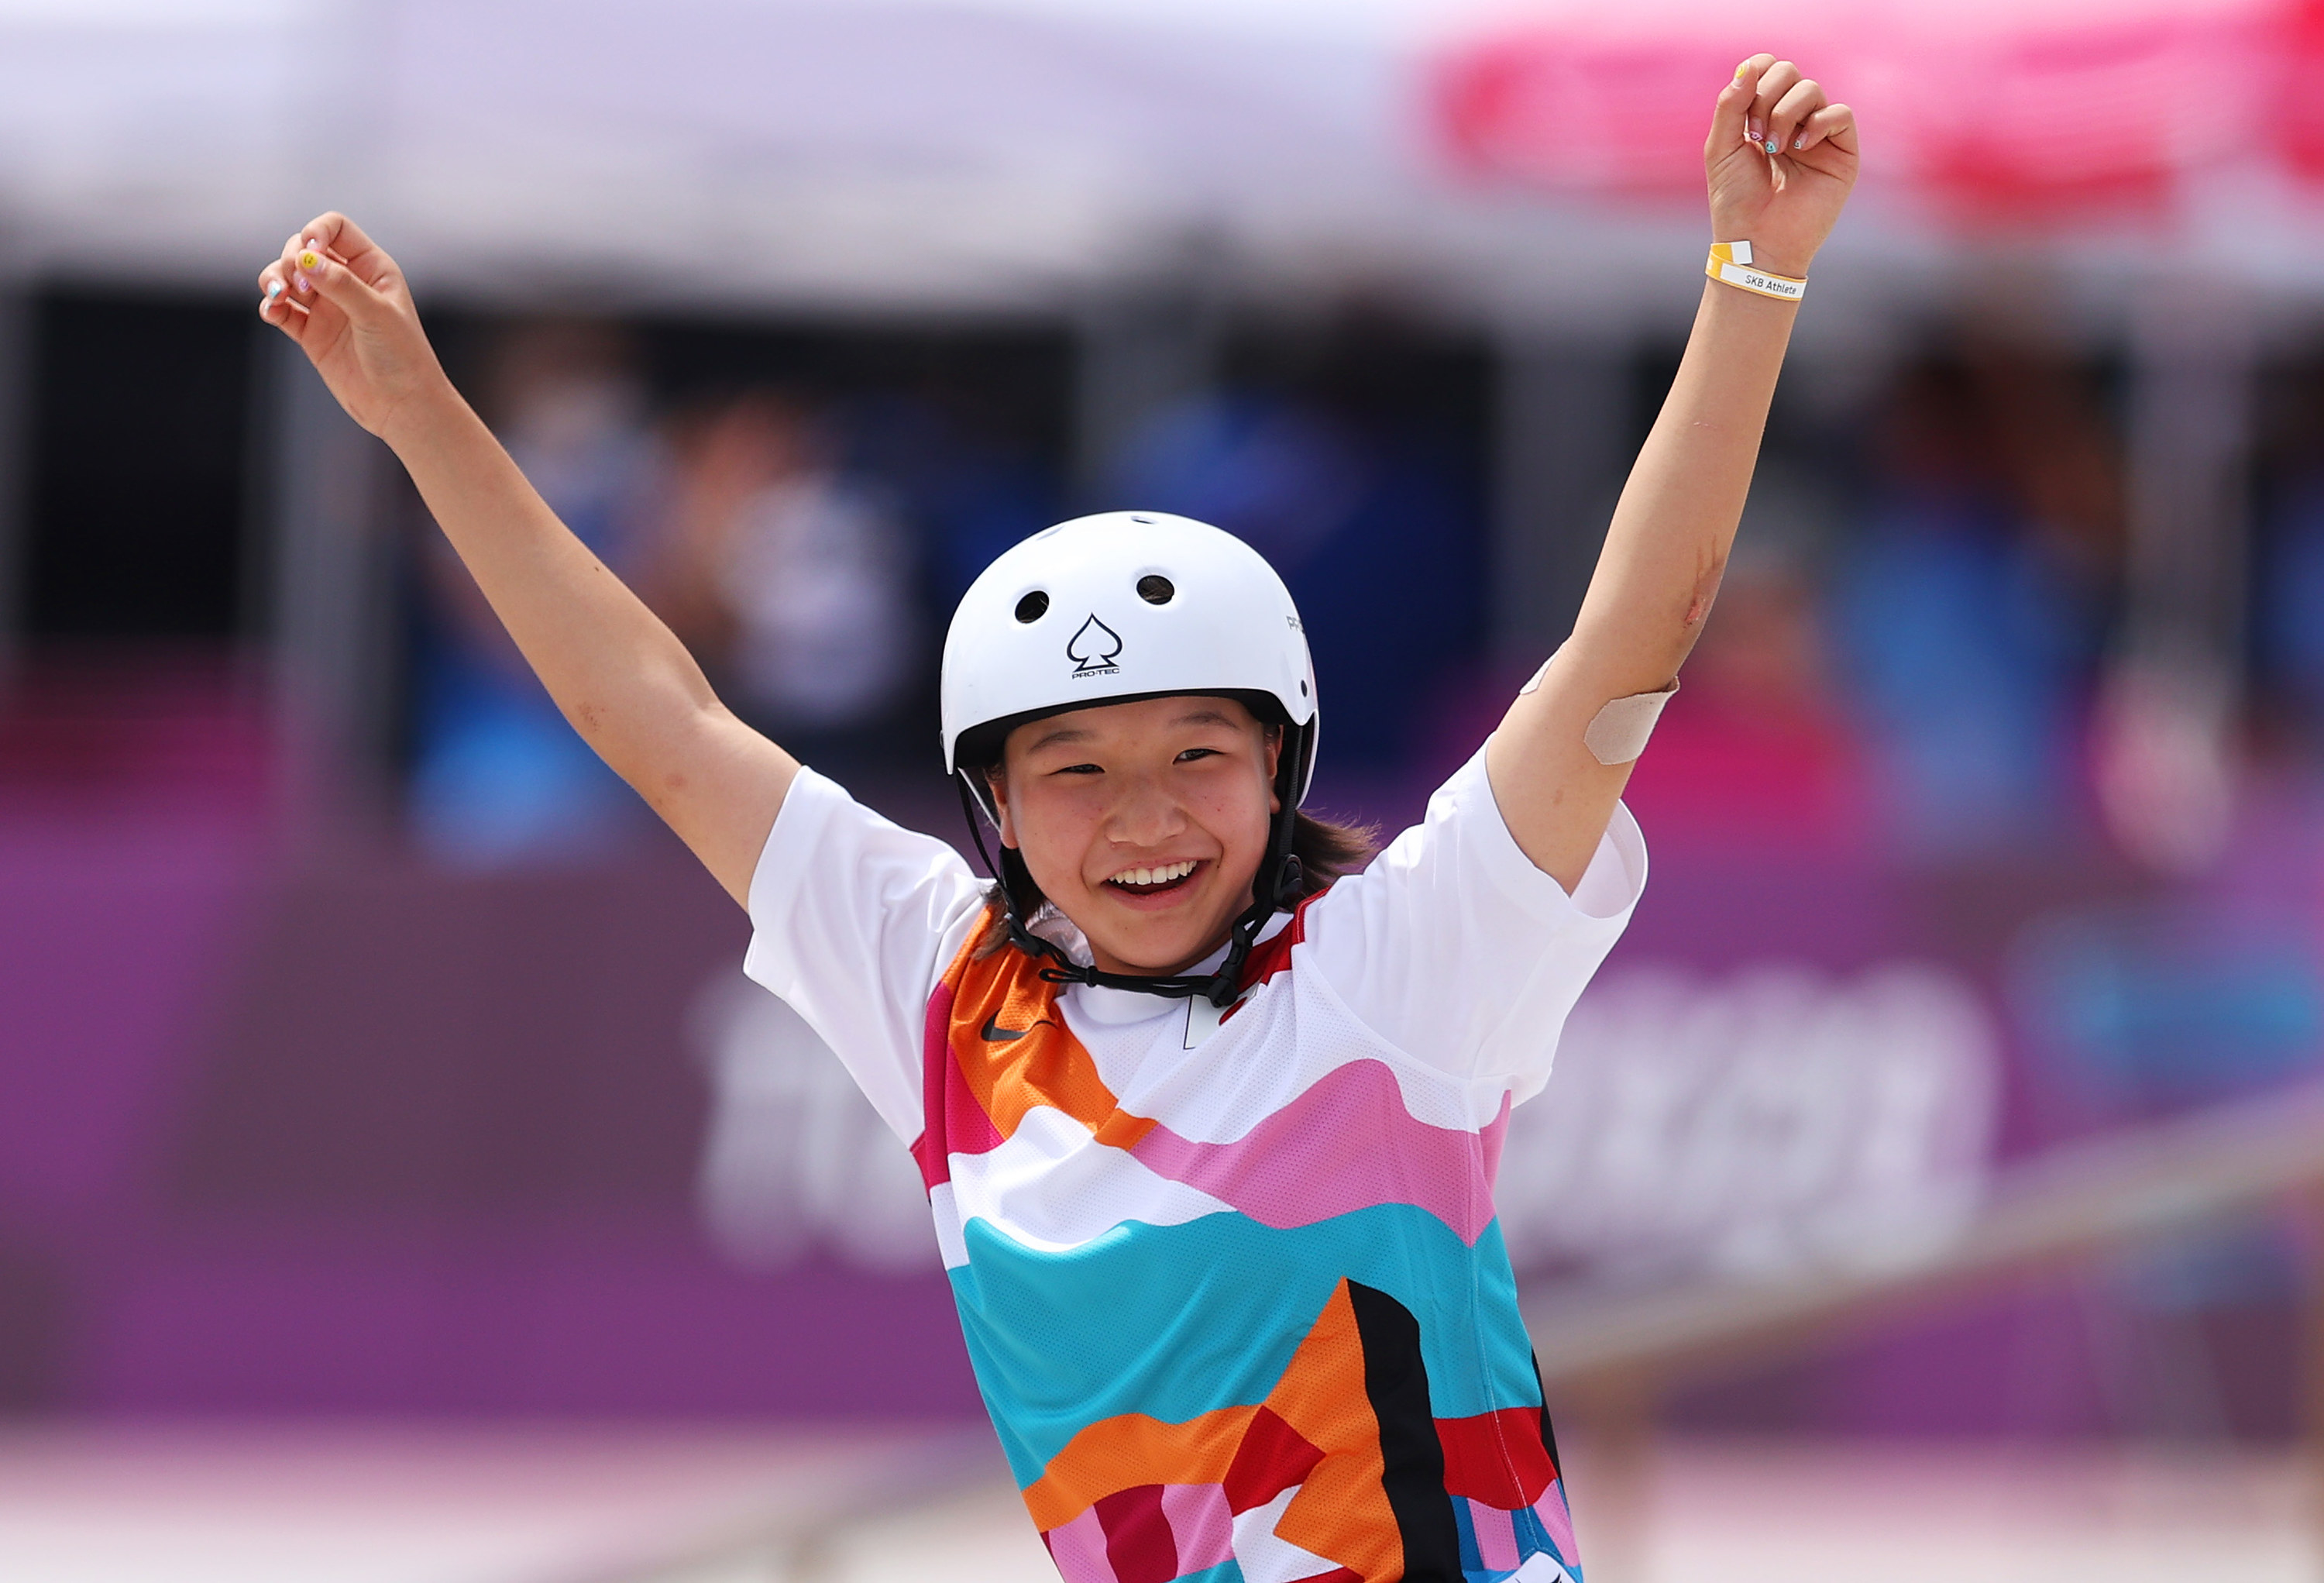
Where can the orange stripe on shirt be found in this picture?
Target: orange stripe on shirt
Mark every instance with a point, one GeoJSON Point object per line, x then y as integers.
{"type": "Point", "coordinates": [1043, 1065]}
{"type": "Point", "coordinates": [1133, 1450]}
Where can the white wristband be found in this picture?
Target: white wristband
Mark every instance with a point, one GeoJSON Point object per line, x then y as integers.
{"type": "Point", "coordinates": [1731, 262]}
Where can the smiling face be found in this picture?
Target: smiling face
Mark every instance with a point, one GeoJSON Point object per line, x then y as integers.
{"type": "Point", "coordinates": [1143, 822]}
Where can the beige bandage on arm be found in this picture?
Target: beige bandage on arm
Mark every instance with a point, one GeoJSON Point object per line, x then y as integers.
{"type": "Point", "coordinates": [1617, 734]}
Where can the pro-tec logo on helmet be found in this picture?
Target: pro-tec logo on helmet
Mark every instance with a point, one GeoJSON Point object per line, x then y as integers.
{"type": "Point", "coordinates": [1094, 648]}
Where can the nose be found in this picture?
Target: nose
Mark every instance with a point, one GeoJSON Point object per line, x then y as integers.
{"type": "Point", "coordinates": [1145, 815]}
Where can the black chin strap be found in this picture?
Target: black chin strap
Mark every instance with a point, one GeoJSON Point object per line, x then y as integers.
{"type": "Point", "coordinates": [1275, 888]}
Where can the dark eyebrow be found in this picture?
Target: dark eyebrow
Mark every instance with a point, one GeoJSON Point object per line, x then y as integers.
{"type": "Point", "coordinates": [1065, 735]}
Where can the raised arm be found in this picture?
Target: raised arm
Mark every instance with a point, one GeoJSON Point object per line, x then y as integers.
{"type": "Point", "coordinates": [1780, 161]}
{"type": "Point", "coordinates": [621, 677]}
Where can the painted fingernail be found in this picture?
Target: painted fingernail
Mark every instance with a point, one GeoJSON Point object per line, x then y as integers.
{"type": "Point", "coordinates": [273, 290]}
{"type": "Point", "coordinates": [1773, 147]}
{"type": "Point", "coordinates": [1801, 140]}
{"type": "Point", "coordinates": [305, 285]}
{"type": "Point", "coordinates": [310, 259]}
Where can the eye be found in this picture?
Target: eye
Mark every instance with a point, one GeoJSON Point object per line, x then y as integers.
{"type": "Point", "coordinates": [1078, 770]}
{"type": "Point", "coordinates": [1192, 754]}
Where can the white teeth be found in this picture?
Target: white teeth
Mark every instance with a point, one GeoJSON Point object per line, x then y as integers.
{"type": "Point", "coordinates": [1155, 876]}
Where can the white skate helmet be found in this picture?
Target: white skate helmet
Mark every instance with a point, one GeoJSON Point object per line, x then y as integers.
{"type": "Point", "coordinates": [1122, 605]}
{"type": "Point", "coordinates": [1109, 609]}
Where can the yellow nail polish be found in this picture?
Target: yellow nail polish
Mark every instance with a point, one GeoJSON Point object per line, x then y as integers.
{"type": "Point", "coordinates": [310, 261]}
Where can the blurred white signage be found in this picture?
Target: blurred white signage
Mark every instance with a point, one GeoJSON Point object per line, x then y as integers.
{"type": "Point", "coordinates": [1750, 1123]}
{"type": "Point", "coordinates": [797, 1159]}
{"type": "Point", "coordinates": [1754, 1123]}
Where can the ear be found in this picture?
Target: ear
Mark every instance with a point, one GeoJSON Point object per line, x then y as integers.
{"type": "Point", "coordinates": [1274, 764]}
{"type": "Point", "coordinates": [997, 779]}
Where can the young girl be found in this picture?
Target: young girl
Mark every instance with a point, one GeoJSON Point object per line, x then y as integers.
{"type": "Point", "coordinates": [1210, 1139]}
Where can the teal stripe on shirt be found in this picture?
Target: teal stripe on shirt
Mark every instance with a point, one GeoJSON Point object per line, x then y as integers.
{"type": "Point", "coordinates": [1173, 1321]}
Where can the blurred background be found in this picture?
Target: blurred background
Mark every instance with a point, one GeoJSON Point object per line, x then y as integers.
{"type": "Point", "coordinates": [399, 1180]}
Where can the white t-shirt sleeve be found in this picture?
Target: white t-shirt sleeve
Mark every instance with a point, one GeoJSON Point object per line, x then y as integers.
{"type": "Point", "coordinates": [853, 920]}
{"type": "Point", "coordinates": [1455, 949]}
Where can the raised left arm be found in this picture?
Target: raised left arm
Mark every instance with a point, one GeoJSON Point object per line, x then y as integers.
{"type": "Point", "coordinates": [1780, 161]}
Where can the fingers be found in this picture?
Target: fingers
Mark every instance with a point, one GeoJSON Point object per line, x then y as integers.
{"type": "Point", "coordinates": [343, 239]}
{"type": "Point", "coordinates": [322, 276]}
{"type": "Point", "coordinates": [299, 286]}
{"type": "Point", "coordinates": [1758, 121]}
{"type": "Point", "coordinates": [278, 303]}
{"type": "Point", "coordinates": [1833, 123]}
{"type": "Point", "coordinates": [293, 288]}
{"type": "Point", "coordinates": [312, 272]}
{"type": "Point", "coordinates": [1801, 100]}
{"type": "Point", "coordinates": [1776, 109]}
{"type": "Point", "coordinates": [330, 274]}
{"type": "Point", "coordinates": [1727, 121]}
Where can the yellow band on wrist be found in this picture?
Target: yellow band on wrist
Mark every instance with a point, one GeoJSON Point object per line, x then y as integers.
{"type": "Point", "coordinates": [1730, 262]}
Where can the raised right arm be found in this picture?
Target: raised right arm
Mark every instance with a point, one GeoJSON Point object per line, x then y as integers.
{"type": "Point", "coordinates": [621, 678]}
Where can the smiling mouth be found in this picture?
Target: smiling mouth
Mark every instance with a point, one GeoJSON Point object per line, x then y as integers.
{"type": "Point", "coordinates": [1160, 880]}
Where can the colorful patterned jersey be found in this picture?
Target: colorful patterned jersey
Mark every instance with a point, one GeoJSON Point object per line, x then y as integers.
{"type": "Point", "coordinates": [1233, 1288]}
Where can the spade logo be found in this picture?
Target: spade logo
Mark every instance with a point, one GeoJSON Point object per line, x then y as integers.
{"type": "Point", "coordinates": [1094, 648]}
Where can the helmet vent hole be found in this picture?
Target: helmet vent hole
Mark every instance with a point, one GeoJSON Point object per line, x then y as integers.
{"type": "Point", "coordinates": [1303, 689]}
{"type": "Point", "coordinates": [1157, 590]}
{"type": "Point", "coordinates": [1032, 607]}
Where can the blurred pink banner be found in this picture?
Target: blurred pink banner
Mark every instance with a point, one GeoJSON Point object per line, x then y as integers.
{"type": "Point", "coordinates": [2030, 115]}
